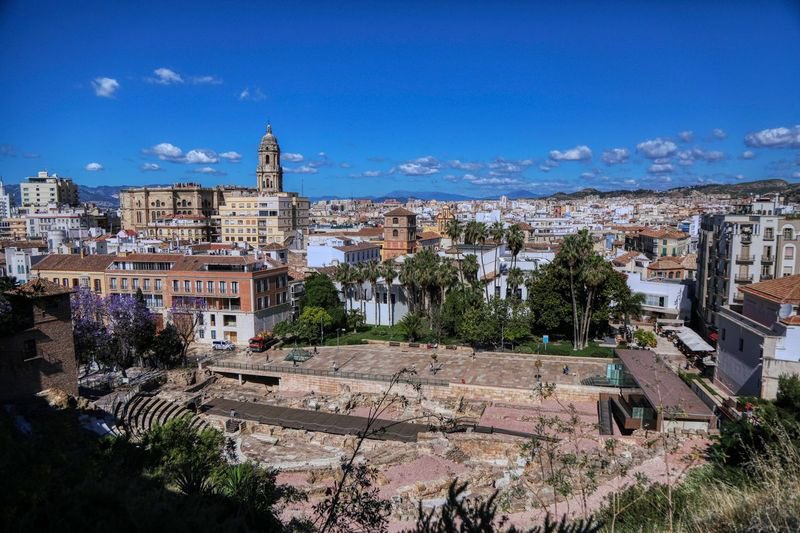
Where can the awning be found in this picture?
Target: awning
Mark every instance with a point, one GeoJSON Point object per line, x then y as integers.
{"type": "Point", "coordinates": [693, 341]}
{"type": "Point", "coordinates": [670, 322]}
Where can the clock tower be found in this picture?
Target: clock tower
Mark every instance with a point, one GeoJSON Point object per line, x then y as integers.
{"type": "Point", "coordinates": [269, 173]}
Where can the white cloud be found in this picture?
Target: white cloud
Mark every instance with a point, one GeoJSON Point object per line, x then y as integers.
{"type": "Point", "coordinates": [205, 80]}
{"type": "Point", "coordinates": [151, 167]}
{"type": "Point", "coordinates": [254, 95]}
{"type": "Point", "coordinates": [292, 157]}
{"type": "Point", "coordinates": [423, 166]}
{"type": "Point", "coordinates": [202, 156]}
{"type": "Point", "coordinates": [548, 165]}
{"type": "Point", "coordinates": [579, 153]}
{"type": "Point", "coordinates": [209, 170]}
{"type": "Point", "coordinates": [233, 157]}
{"type": "Point", "coordinates": [93, 167]}
{"type": "Point", "coordinates": [105, 87]}
{"type": "Point", "coordinates": [774, 138]}
{"type": "Point", "coordinates": [464, 165]}
{"type": "Point", "coordinates": [660, 168]}
{"type": "Point", "coordinates": [630, 182]}
{"type": "Point", "coordinates": [688, 157]}
{"type": "Point", "coordinates": [303, 169]}
{"type": "Point", "coordinates": [508, 166]}
{"type": "Point", "coordinates": [345, 164]}
{"type": "Point", "coordinates": [371, 173]}
{"type": "Point", "coordinates": [166, 152]}
{"type": "Point", "coordinates": [719, 133]}
{"type": "Point", "coordinates": [656, 148]}
{"type": "Point", "coordinates": [748, 154]}
{"type": "Point", "coordinates": [165, 76]}
{"type": "Point", "coordinates": [616, 156]}
{"type": "Point", "coordinates": [686, 136]}
{"type": "Point", "coordinates": [796, 175]}
{"type": "Point", "coordinates": [494, 181]}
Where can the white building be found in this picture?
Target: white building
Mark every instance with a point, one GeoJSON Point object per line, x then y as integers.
{"type": "Point", "coordinates": [5, 202]}
{"type": "Point", "coordinates": [762, 342]}
{"type": "Point", "coordinates": [20, 260]}
{"type": "Point", "coordinates": [334, 250]}
{"type": "Point", "coordinates": [663, 299]}
{"type": "Point", "coordinates": [43, 190]}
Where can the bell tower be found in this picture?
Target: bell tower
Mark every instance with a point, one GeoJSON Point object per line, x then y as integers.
{"type": "Point", "coordinates": [269, 174]}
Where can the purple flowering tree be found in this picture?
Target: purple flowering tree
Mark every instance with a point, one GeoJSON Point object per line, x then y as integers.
{"type": "Point", "coordinates": [186, 314]}
{"type": "Point", "coordinates": [132, 328]}
{"type": "Point", "coordinates": [93, 343]}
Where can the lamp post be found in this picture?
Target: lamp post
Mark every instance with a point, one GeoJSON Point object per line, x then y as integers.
{"type": "Point", "coordinates": [321, 333]}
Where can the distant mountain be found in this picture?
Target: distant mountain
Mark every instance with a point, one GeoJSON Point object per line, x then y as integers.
{"type": "Point", "coordinates": [746, 188]}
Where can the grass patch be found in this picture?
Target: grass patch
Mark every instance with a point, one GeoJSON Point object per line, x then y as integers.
{"type": "Point", "coordinates": [565, 348]}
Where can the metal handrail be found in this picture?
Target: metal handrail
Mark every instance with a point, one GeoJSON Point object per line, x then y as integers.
{"type": "Point", "coordinates": [328, 373]}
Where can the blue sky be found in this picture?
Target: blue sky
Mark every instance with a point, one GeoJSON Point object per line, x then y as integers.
{"type": "Point", "coordinates": [371, 97]}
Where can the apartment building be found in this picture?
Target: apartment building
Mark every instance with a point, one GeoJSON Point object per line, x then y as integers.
{"type": "Point", "coordinates": [241, 294]}
{"type": "Point", "coordinates": [757, 243]}
{"type": "Point", "coordinates": [658, 242]}
{"type": "Point", "coordinates": [338, 250]}
{"type": "Point", "coordinates": [13, 228]}
{"type": "Point", "coordinates": [43, 189]}
{"type": "Point", "coordinates": [678, 268]}
{"type": "Point", "coordinates": [762, 341]}
{"type": "Point", "coordinates": [262, 218]}
{"type": "Point", "coordinates": [5, 202]}
{"type": "Point", "coordinates": [22, 257]}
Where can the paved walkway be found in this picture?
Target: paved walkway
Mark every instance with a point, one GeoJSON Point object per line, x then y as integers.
{"type": "Point", "coordinates": [486, 368]}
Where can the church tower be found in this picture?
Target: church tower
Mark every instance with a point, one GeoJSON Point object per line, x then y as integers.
{"type": "Point", "coordinates": [269, 172]}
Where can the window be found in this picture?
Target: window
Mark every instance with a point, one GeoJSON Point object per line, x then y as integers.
{"type": "Point", "coordinates": [201, 333]}
{"type": "Point", "coordinates": [97, 287]}
{"type": "Point", "coordinates": [135, 283]}
{"type": "Point", "coordinates": [175, 285]}
{"type": "Point", "coordinates": [113, 283]}
{"type": "Point", "coordinates": [768, 233]}
{"type": "Point", "coordinates": [210, 286]}
{"type": "Point", "coordinates": [788, 233]}
{"type": "Point", "coordinates": [158, 284]}
{"type": "Point", "coordinates": [395, 233]}
{"type": "Point", "coordinates": [213, 334]}
{"type": "Point", "coordinates": [741, 344]}
{"type": "Point", "coordinates": [147, 284]}
{"type": "Point", "coordinates": [234, 287]}
{"type": "Point", "coordinates": [198, 286]}
{"type": "Point", "coordinates": [229, 321]}
{"type": "Point", "coordinates": [395, 220]}
{"type": "Point", "coordinates": [187, 285]}
{"type": "Point", "coordinates": [222, 287]}
{"type": "Point", "coordinates": [124, 283]}
{"type": "Point", "coordinates": [213, 319]}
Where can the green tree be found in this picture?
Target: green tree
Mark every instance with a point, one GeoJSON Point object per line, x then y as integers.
{"type": "Point", "coordinates": [389, 275]}
{"type": "Point", "coordinates": [497, 232]}
{"type": "Point", "coordinates": [476, 327]}
{"type": "Point", "coordinates": [312, 323]}
{"type": "Point", "coordinates": [321, 292]}
{"type": "Point", "coordinates": [167, 347]}
{"type": "Point", "coordinates": [355, 320]}
{"type": "Point", "coordinates": [516, 241]}
{"type": "Point", "coordinates": [411, 326]}
{"type": "Point", "coordinates": [645, 338]}
{"type": "Point", "coordinates": [372, 272]}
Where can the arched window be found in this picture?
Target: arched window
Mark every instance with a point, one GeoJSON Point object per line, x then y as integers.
{"type": "Point", "coordinates": [788, 233]}
{"type": "Point", "coordinates": [266, 160]}
{"type": "Point", "coordinates": [670, 275]}
{"type": "Point", "coordinates": [183, 203]}
{"type": "Point", "coordinates": [395, 233]}
{"type": "Point", "coordinates": [395, 220]}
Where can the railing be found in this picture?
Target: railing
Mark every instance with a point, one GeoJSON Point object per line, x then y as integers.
{"type": "Point", "coordinates": [413, 380]}
{"type": "Point", "coordinates": [769, 237]}
{"type": "Point", "coordinates": [766, 277]}
{"type": "Point", "coordinates": [745, 258]}
{"type": "Point", "coordinates": [767, 258]}
{"type": "Point", "coordinates": [743, 279]}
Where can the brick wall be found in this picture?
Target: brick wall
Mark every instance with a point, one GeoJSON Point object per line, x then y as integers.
{"type": "Point", "coordinates": [41, 356]}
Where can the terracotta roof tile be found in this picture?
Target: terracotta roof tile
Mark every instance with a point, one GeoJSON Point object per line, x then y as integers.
{"type": "Point", "coordinates": [40, 287]}
{"type": "Point", "coordinates": [399, 212]}
{"type": "Point", "coordinates": [74, 263]}
{"type": "Point", "coordinates": [785, 290]}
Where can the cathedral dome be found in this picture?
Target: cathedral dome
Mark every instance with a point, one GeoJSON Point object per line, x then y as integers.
{"type": "Point", "coordinates": [269, 138]}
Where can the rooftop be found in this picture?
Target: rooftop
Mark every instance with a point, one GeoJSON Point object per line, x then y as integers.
{"type": "Point", "coordinates": [399, 212]}
{"type": "Point", "coordinates": [785, 290]}
{"type": "Point", "coordinates": [75, 263]}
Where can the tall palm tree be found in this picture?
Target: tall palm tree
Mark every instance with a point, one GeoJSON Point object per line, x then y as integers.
{"type": "Point", "coordinates": [516, 241]}
{"type": "Point", "coordinates": [497, 232]}
{"type": "Point", "coordinates": [454, 231]}
{"type": "Point", "coordinates": [470, 267]}
{"type": "Point", "coordinates": [595, 273]}
{"type": "Point", "coordinates": [515, 279]}
{"type": "Point", "coordinates": [372, 272]}
{"type": "Point", "coordinates": [574, 251]}
{"type": "Point", "coordinates": [471, 231]}
{"type": "Point", "coordinates": [358, 278]}
{"type": "Point", "coordinates": [408, 274]}
{"type": "Point", "coordinates": [389, 275]}
{"type": "Point", "coordinates": [446, 278]}
{"type": "Point", "coordinates": [343, 275]}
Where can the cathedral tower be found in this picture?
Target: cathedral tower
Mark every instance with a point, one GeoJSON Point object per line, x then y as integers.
{"type": "Point", "coordinates": [269, 172]}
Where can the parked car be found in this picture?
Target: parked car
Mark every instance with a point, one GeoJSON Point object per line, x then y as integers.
{"type": "Point", "coordinates": [222, 345]}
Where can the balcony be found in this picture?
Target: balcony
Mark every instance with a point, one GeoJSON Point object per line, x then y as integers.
{"type": "Point", "coordinates": [767, 259]}
{"type": "Point", "coordinates": [769, 237]}
{"type": "Point", "coordinates": [745, 258]}
{"type": "Point", "coordinates": [738, 297]}
{"type": "Point", "coordinates": [740, 278]}
{"type": "Point", "coordinates": [747, 238]}
{"type": "Point", "coordinates": [766, 277]}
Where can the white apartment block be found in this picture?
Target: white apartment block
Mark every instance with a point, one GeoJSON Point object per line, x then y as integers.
{"type": "Point", "coordinates": [43, 190]}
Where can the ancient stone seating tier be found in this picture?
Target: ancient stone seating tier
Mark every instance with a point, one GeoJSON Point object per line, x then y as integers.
{"type": "Point", "coordinates": [144, 411]}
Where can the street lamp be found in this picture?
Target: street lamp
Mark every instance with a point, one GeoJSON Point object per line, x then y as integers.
{"type": "Point", "coordinates": [321, 333]}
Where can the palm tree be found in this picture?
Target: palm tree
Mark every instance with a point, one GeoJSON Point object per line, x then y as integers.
{"type": "Point", "coordinates": [408, 274]}
{"type": "Point", "coordinates": [574, 251]}
{"type": "Point", "coordinates": [497, 231]}
{"type": "Point", "coordinates": [629, 305]}
{"type": "Point", "coordinates": [389, 275]}
{"type": "Point", "coordinates": [372, 272]}
{"type": "Point", "coordinates": [454, 230]}
{"type": "Point", "coordinates": [344, 275]}
{"type": "Point", "coordinates": [358, 277]}
{"type": "Point", "coordinates": [595, 273]}
{"type": "Point", "coordinates": [411, 326]}
{"type": "Point", "coordinates": [446, 278]}
{"type": "Point", "coordinates": [470, 267]}
{"type": "Point", "coordinates": [515, 279]}
{"type": "Point", "coordinates": [516, 241]}
{"type": "Point", "coordinates": [471, 232]}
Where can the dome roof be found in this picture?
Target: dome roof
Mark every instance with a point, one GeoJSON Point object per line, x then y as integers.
{"type": "Point", "coordinates": [269, 138]}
